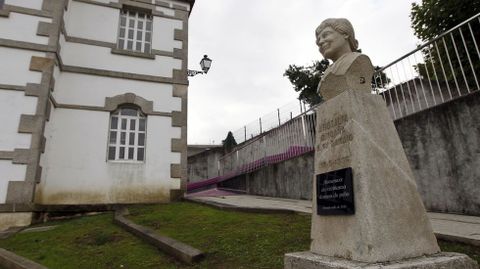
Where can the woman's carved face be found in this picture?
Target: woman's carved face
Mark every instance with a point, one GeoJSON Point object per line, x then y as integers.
{"type": "Point", "coordinates": [332, 44]}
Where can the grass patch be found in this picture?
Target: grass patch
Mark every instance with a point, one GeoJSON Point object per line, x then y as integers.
{"type": "Point", "coordinates": [229, 239]}
{"type": "Point", "coordinates": [472, 251]}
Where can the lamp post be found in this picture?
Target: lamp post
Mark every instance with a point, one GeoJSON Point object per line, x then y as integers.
{"type": "Point", "coordinates": [205, 64]}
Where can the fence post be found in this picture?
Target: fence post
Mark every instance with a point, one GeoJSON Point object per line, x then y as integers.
{"type": "Point", "coordinates": [245, 131]}
{"type": "Point", "coordinates": [278, 114]}
{"type": "Point", "coordinates": [260, 121]}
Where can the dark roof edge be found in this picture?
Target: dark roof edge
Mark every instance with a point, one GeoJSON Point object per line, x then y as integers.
{"type": "Point", "coordinates": [191, 2]}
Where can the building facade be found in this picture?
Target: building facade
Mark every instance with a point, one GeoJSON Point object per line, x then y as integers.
{"type": "Point", "coordinates": [93, 103]}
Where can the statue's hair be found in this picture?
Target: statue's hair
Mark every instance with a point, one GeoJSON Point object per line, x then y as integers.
{"type": "Point", "coordinates": [341, 25]}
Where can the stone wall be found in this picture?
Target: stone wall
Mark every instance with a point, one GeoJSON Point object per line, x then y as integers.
{"type": "Point", "coordinates": [204, 165]}
{"type": "Point", "coordinates": [441, 143]}
{"type": "Point", "coordinates": [443, 148]}
{"type": "Point", "coordinates": [289, 179]}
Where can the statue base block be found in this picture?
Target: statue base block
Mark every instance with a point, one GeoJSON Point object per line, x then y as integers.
{"type": "Point", "coordinates": [443, 260]}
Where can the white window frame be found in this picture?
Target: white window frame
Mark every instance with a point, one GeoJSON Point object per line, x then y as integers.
{"type": "Point", "coordinates": [123, 137]}
{"type": "Point", "coordinates": [135, 31]}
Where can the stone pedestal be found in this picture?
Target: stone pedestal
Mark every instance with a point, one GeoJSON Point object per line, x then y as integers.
{"type": "Point", "coordinates": [444, 260]}
{"type": "Point", "coordinates": [354, 129]}
{"type": "Point", "coordinates": [367, 212]}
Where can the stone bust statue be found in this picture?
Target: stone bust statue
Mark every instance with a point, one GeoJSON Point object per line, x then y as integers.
{"type": "Point", "coordinates": [350, 69]}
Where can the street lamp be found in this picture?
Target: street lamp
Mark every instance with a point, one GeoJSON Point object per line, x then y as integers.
{"type": "Point", "coordinates": [205, 64]}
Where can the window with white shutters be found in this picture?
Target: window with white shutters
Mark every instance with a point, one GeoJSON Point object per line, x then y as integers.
{"type": "Point", "coordinates": [135, 31]}
{"type": "Point", "coordinates": [127, 135]}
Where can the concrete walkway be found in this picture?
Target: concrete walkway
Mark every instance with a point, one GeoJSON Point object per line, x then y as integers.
{"type": "Point", "coordinates": [451, 227]}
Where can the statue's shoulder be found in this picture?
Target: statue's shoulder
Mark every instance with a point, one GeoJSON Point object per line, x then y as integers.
{"type": "Point", "coordinates": [351, 60]}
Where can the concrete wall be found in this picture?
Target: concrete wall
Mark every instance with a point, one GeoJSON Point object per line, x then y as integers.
{"type": "Point", "coordinates": [442, 145]}
{"type": "Point", "coordinates": [288, 179]}
{"type": "Point", "coordinates": [443, 148]}
{"type": "Point", "coordinates": [204, 165]}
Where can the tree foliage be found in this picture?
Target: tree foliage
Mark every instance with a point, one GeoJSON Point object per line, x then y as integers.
{"type": "Point", "coordinates": [305, 80]}
{"type": "Point", "coordinates": [229, 143]}
{"type": "Point", "coordinates": [443, 62]}
{"type": "Point", "coordinates": [433, 17]}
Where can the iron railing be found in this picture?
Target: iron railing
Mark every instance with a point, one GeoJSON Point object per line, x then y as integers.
{"type": "Point", "coordinates": [292, 138]}
{"type": "Point", "coordinates": [440, 70]}
{"type": "Point", "coordinates": [270, 121]}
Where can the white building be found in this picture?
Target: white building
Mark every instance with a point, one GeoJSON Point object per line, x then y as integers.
{"type": "Point", "coordinates": [93, 103]}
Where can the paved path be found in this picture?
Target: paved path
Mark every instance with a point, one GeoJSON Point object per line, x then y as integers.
{"type": "Point", "coordinates": [450, 227]}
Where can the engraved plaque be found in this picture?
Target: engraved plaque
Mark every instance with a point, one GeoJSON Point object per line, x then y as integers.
{"type": "Point", "coordinates": [335, 193]}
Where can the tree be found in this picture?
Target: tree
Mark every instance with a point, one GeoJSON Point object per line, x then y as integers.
{"type": "Point", "coordinates": [229, 143]}
{"type": "Point", "coordinates": [305, 80]}
{"type": "Point", "coordinates": [433, 17]}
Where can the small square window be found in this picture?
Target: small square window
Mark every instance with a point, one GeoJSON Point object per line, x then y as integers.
{"type": "Point", "coordinates": [135, 26]}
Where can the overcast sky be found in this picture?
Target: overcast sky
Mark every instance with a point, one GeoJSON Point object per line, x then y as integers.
{"type": "Point", "coordinates": [252, 42]}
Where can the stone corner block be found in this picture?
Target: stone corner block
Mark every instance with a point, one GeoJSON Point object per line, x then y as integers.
{"type": "Point", "coordinates": [44, 28]}
{"type": "Point", "coordinates": [180, 91]}
{"type": "Point", "coordinates": [20, 192]}
{"type": "Point", "coordinates": [54, 5]}
{"type": "Point", "coordinates": [180, 76]}
{"type": "Point", "coordinates": [179, 35]}
{"type": "Point", "coordinates": [176, 195]}
{"type": "Point", "coordinates": [4, 13]}
{"type": "Point", "coordinates": [30, 123]}
{"type": "Point", "coordinates": [179, 145]}
{"type": "Point", "coordinates": [22, 156]}
{"type": "Point", "coordinates": [180, 53]}
{"type": "Point", "coordinates": [179, 119]}
{"type": "Point", "coordinates": [175, 170]}
{"type": "Point", "coordinates": [40, 63]}
{"type": "Point", "coordinates": [33, 89]}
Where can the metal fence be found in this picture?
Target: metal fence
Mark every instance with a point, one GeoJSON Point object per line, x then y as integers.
{"type": "Point", "coordinates": [270, 121]}
{"type": "Point", "coordinates": [292, 138]}
{"type": "Point", "coordinates": [440, 70]}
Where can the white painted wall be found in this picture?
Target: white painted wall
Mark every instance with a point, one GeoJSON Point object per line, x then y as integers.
{"type": "Point", "coordinates": [81, 89]}
{"type": "Point", "coordinates": [75, 169]}
{"type": "Point", "coordinates": [82, 55]}
{"type": "Point", "coordinates": [92, 22]}
{"type": "Point", "coordinates": [10, 172]}
{"type": "Point", "coordinates": [163, 34]}
{"type": "Point", "coordinates": [33, 4]}
{"type": "Point", "coordinates": [15, 65]}
{"type": "Point", "coordinates": [13, 104]}
{"type": "Point", "coordinates": [22, 27]}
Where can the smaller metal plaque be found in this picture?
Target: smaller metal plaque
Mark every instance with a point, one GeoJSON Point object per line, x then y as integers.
{"type": "Point", "coordinates": [335, 193]}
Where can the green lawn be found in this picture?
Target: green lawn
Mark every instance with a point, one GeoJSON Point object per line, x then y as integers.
{"type": "Point", "coordinates": [230, 239]}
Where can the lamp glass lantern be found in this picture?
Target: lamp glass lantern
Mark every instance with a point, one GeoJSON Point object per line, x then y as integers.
{"type": "Point", "coordinates": [205, 63]}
